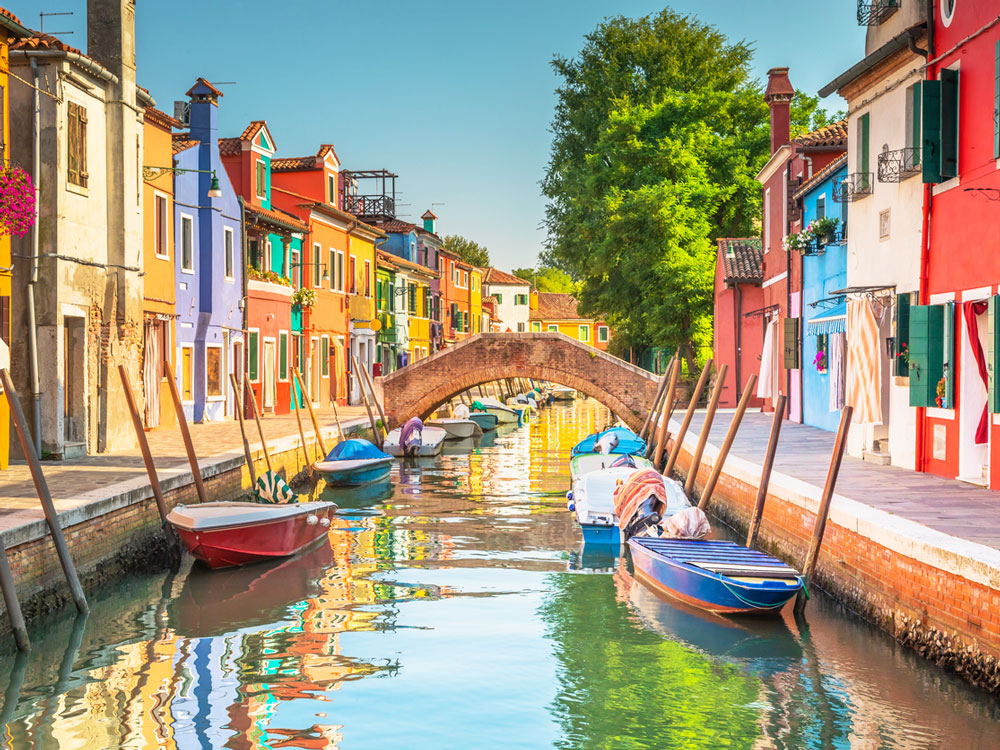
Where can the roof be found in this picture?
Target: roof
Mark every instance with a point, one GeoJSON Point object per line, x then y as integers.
{"type": "Point", "coordinates": [895, 44]}
{"type": "Point", "coordinates": [277, 217]}
{"type": "Point", "coordinates": [408, 265]}
{"type": "Point", "coordinates": [183, 141]}
{"type": "Point", "coordinates": [742, 259]}
{"type": "Point", "coordinates": [386, 260]}
{"type": "Point", "coordinates": [821, 175]}
{"type": "Point", "coordinates": [162, 118]}
{"type": "Point", "coordinates": [13, 24]}
{"type": "Point", "coordinates": [299, 163]}
{"type": "Point", "coordinates": [42, 41]}
{"type": "Point", "coordinates": [428, 214]}
{"type": "Point", "coordinates": [398, 226]}
{"type": "Point", "coordinates": [829, 136]}
{"type": "Point", "coordinates": [555, 306]}
{"type": "Point", "coordinates": [502, 278]}
{"type": "Point", "coordinates": [205, 84]}
{"type": "Point", "coordinates": [230, 147]}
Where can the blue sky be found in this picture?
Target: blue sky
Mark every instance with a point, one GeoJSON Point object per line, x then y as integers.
{"type": "Point", "coordinates": [455, 96]}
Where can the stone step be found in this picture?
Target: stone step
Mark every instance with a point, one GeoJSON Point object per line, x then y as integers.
{"type": "Point", "coordinates": [878, 457]}
{"type": "Point", "coordinates": [74, 450]}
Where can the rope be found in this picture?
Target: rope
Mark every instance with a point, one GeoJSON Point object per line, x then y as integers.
{"type": "Point", "coordinates": [750, 602]}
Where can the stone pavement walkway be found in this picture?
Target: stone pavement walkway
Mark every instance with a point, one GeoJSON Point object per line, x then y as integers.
{"type": "Point", "coordinates": [70, 479]}
{"type": "Point", "coordinates": [946, 505]}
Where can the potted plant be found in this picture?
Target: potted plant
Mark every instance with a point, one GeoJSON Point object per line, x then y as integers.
{"type": "Point", "coordinates": [820, 361]}
{"type": "Point", "coordinates": [797, 241]}
{"type": "Point", "coordinates": [942, 392]}
{"type": "Point", "coordinates": [17, 201]}
{"type": "Point", "coordinates": [824, 230]}
{"type": "Point", "coordinates": [304, 298]}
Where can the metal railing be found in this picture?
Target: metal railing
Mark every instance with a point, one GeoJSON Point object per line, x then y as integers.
{"type": "Point", "coordinates": [819, 245]}
{"type": "Point", "coordinates": [382, 206]}
{"type": "Point", "coordinates": [853, 187]}
{"type": "Point", "coordinates": [896, 166]}
{"type": "Point", "coordinates": [875, 12]}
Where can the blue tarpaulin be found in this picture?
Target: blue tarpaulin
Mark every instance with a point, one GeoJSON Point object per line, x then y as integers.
{"type": "Point", "coordinates": [355, 450]}
{"type": "Point", "coordinates": [628, 442]}
{"type": "Point", "coordinates": [833, 320]}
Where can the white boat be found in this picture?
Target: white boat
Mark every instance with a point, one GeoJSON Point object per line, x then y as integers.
{"type": "Point", "coordinates": [430, 442]}
{"type": "Point", "coordinates": [588, 462]}
{"type": "Point", "coordinates": [503, 413]}
{"type": "Point", "coordinates": [561, 393]}
{"type": "Point", "coordinates": [457, 429]}
{"type": "Point", "coordinates": [354, 462]}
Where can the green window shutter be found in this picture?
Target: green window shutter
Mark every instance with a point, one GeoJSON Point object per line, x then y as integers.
{"type": "Point", "coordinates": [324, 357]}
{"type": "Point", "coordinates": [252, 352]}
{"type": "Point", "coordinates": [499, 299]}
{"type": "Point", "coordinates": [900, 365]}
{"type": "Point", "coordinates": [948, 355]}
{"type": "Point", "coordinates": [996, 101]}
{"type": "Point", "coordinates": [791, 331]}
{"type": "Point", "coordinates": [926, 347]}
{"type": "Point", "coordinates": [864, 130]}
{"type": "Point", "coordinates": [283, 356]}
{"type": "Point", "coordinates": [992, 352]}
{"type": "Point", "coordinates": [949, 123]}
{"type": "Point", "coordinates": [915, 121]}
{"type": "Point", "coordinates": [930, 152]}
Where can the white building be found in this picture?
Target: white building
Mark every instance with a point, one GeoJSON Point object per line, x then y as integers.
{"type": "Point", "coordinates": [513, 296]}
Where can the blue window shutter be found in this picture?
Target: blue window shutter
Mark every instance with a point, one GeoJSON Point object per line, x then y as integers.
{"type": "Point", "coordinates": [931, 115]}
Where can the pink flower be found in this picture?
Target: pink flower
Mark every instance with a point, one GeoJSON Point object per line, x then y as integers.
{"type": "Point", "coordinates": [17, 201]}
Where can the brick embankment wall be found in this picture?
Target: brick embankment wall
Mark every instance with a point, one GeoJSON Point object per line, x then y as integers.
{"type": "Point", "coordinates": [121, 533]}
{"type": "Point", "coordinates": [934, 593]}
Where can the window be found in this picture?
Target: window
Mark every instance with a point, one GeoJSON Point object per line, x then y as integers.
{"type": "Point", "coordinates": [253, 245]}
{"type": "Point", "coordinates": [499, 298]}
{"type": "Point", "coordinates": [520, 327]}
{"type": "Point", "coordinates": [187, 373]}
{"type": "Point", "coordinates": [536, 327]}
{"type": "Point", "coordinates": [353, 278]}
{"type": "Point", "coordinates": [553, 328]}
{"type": "Point", "coordinates": [766, 220]}
{"type": "Point", "coordinates": [822, 352]}
{"type": "Point", "coordinates": [229, 246]}
{"type": "Point", "coordinates": [261, 179]}
{"type": "Point", "coordinates": [77, 145]}
{"type": "Point", "coordinates": [584, 333]}
{"type": "Point", "coordinates": [160, 231]}
{"type": "Point", "coordinates": [252, 355]}
{"type": "Point", "coordinates": [520, 299]}
{"type": "Point", "coordinates": [340, 271]}
{"type": "Point", "coordinates": [331, 189]}
{"type": "Point", "coordinates": [931, 341]}
{"type": "Point", "coordinates": [282, 355]}
{"type": "Point", "coordinates": [947, 11]}
{"type": "Point", "coordinates": [296, 269]}
{"type": "Point", "coordinates": [602, 334]}
{"type": "Point", "coordinates": [864, 136]}
{"type": "Point", "coordinates": [465, 279]}
{"type": "Point", "coordinates": [883, 224]}
{"type": "Point", "coordinates": [286, 262]}
{"type": "Point", "coordinates": [324, 356]}
{"type": "Point", "coordinates": [317, 250]}
{"type": "Point", "coordinates": [411, 305]}
{"type": "Point", "coordinates": [378, 293]}
{"type": "Point", "coordinates": [368, 278]}
{"type": "Point", "coordinates": [187, 243]}
{"type": "Point", "coordinates": [333, 263]}
{"type": "Point", "coordinates": [939, 118]}
{"type": "Point", "coordinates": [213, 371]}
{"type": "Point", "coordinates": [821, 207]}
{"type": "Point", "coordinates": [913, 129]}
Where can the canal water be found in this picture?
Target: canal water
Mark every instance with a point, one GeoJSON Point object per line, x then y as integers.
{"type": "Point", "coordinates": [455, 609]}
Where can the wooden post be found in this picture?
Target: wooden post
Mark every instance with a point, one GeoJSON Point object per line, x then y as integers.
{"type": "Point", "coordinates": [734, 426]}
{"type": "Point", "coordinates": [10, 599]}
{"type": "Point", "coordinates": [656, 402]}
{"type": "Point", "coordinates": [661, 433]}
{"type": "Point", "coordinates": [713, 404]}
{"type": "Point", "coordinates": [42, 488]}
{"type": "Point", "coordinates": [378, 406]}
{"type": "Point", "coordinates": [199, 485]}
{"type": "Point", "coordinates": [336, 418]}
{"type": "Point", "coordinates": [765, 475]}
{"type": "Point", "coordinates": [312, 413]}
{"type": "Point", "coordinates": [688, 415]}
{"type": "Point", "coordinates": [243, 432]}
{"type": "Point", "coordinates": [368, 406]}
{"type": "Point", "coordinates": [260, 427]}
{"type": "Point", "coordinates": [296, 397]}
{"type": "Point", "coordinates": [173, 543]}
{"type": "Point", "coordinates": [656, 425]}
{"type": "Point", "coordinates": [824, 505]}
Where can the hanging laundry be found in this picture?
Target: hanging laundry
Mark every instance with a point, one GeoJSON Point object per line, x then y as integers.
{"type": "Point", "coordinates": [764, 389]}
{"type": "Point", "coordinates": [836, 367]}
{"type": "Point", "coordinates": [864, 363]}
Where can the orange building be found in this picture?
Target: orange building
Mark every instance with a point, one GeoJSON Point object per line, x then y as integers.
{"type": "Point", "coordinates": [558, 313]}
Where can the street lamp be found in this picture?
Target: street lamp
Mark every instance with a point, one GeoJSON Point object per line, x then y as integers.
{"type": "Point", "coordinates": [214, 188]}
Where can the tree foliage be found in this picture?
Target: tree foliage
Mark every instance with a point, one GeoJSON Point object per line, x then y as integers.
{"type": "Point", "coordinates": [547, 279]}
{"type": "Point", "coordinates": [659, 131]}
{"type": "Point", "coordinates": [468, 250]}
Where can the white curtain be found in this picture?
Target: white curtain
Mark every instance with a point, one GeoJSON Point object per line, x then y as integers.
{"type": "Point", "coordinates": [151, 371]}
{"type": "Point", "coordinates": [764, 389]}
{"type": "Point", "coordinates": [836, 366]}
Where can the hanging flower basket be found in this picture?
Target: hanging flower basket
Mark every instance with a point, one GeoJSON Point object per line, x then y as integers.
{"type": "Point", "coordinates": [304, 298]}
{"type": "Point", "coordinates": [17, 201]}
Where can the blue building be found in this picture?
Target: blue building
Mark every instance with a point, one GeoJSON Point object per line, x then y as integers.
{"type": "Point", "coordinates": [824, 271]}
{"type": "Point", "coordinates": [209, 264]}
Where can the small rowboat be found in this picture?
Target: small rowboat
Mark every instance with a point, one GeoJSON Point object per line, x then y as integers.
{"type": "Point", "coordinates": [354, 462]}
{"type": "Point", "coordinates": [588, 462]}
{"type": "Point", "coordinates": [236, 533]}
{"type": "Point", "coordinates": [617, 440]}
{"type": "Point", "coordinates": [428, 443]}
{"type": "Point", "coordinates": [485, 420]}
{"type": "Point", "coordinates": [457, 429]}
{"type": "Point", "coordinates": [716, 576]}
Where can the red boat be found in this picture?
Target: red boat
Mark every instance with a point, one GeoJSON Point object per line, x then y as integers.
{"type": "Point", "coordinates": [233, 533]}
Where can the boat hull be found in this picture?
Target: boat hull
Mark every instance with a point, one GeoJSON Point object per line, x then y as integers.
{"type": "Point", "coordinates": [228, 546]}
{"type": "Point", "coordinates": [432, 437]}
{"type": "Point", "coordinates": [457, 429]}
{"type": "Point", "coordinates": [705, 590]}
{"type": "Point", "coordinates": [601, 535]}
{"type": "Point", "coordinates": [356, 476]}
{"type": "Point", "coordinates": [485, 420]}
{"type": "Point", "coordinates": [504, 416]}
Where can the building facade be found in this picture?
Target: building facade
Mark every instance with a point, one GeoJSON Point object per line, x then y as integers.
{"type": "Point", "coordinates": [559, 313]}
{"type": "Point", "coordinates": [512, 299]}
{"type": "Point", "coordinates": [739, 319]}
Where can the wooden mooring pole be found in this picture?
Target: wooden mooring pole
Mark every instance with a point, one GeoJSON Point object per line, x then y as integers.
{"type": "Point", "coordinates": [13, 604]}
{"type": "Point", "coordinates": [765, 474]}
{"type": "Point", "coordinates": [296, 399]}
{"type": "Point", "coordinates": [688, 415]}
{"type": "Point", "coordinates": [173, 543]}
{"type": "Point", "coordinates": [199, 485]}
{"type": "Point", "coordinates": [378, 406]}
{"type": "Point", "coordinates": [706, 427]}
{"type": "Point", "coordinates": [312, 413]}
{"type": "Point", "coordinates": [260, 427]}
{"type": "Point", "coordinates": [368, 407]}
{"type": "Point", "coordinates": [661, 431]}
{"type": "Point", "coordinates": [734, 427]}
{"type": "Point", "coordinates": [656, 402]}
{"type": "Point", "coordinates": [243, 430]}
{"type": "Point", "coordinates": [823, 512]}
{"type": "Point", "coordinates": [42, 488]}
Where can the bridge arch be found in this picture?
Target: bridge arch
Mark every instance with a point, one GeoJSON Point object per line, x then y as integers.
{"type": "Point", "coordinates": [420, 388]}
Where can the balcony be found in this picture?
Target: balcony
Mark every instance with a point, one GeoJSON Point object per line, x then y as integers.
{"type": "Point", "coordinates": [819, 245]}
{"type": "Point", "coordinates": [360, 308]}
{"type": "Point", "coordinates": [853, 187]}
{"type": "Point", "coordinates": [873, 13]}
{"type": "Point", "coordinates": [896, 166]}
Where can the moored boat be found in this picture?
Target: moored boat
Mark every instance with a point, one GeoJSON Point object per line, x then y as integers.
{"type": "Point", "coordinates": [224, 534]}
{"type": "Point", "coordinates": [561, 393]}
{"type": "Point", "coordinates": [354, 462]}
{"type": "Point", "coordinates": [503, 413]}
{"type": "Point", "coordinates": [457, 429]}
{"type": "Point", "coordinates": [414, 439]}
{"type": "Point", "coordinates": [485, 420]}
{"type": "Point", "coordinates": [614, 440]}
{"type": "Point", "coordinates": [587, 462]}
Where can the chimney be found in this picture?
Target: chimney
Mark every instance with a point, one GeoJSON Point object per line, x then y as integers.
{"type": "Point", "coordinates": [204, 118]}
{"type": "Point", "coordinates": [430, 222]}
{"type": "Point", "coordinates": [111, 39]}
{"type": "Point", "coordinates": [778, 96]}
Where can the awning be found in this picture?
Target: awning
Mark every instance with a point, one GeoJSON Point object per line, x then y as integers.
{"type": "Point", "coordinates": [833, 320]}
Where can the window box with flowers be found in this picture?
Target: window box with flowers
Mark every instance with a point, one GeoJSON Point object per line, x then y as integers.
{"type": "Point", "coordinates": [17, 201]}
{"type": "Point", "coordinates": [823, 231]}
{"type": "Point", "coordinates": [304, 298]}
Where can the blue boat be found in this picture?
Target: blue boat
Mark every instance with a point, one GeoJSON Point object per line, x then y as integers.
{"type": "Point", "coordinates": [717, 576]}
{"type": "Point", "coordinates": [623, 439]}
{"type": "Point", "coordinates": [354, 462]}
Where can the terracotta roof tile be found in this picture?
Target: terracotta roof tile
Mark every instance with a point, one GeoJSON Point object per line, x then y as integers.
{"type": "Point", "coordinates": [821, 175]}
{"type": "Point", "coordinates": [41, 40]}
{"type": "Point", "coordinates": [278, 217]}
{"type": "Point", "coordinates": [251, 130]}
{"type": "Point", "coordinates": [742, 259]}
{"type": "Point", "coordinates": [397, 226]}
{"type": "Point", "coordinates": [11, 17]}
{"type": "Point", "coordinates": [161, 118]}
{"type": "Point", "coordinates": [183, 141]}
{"type": "Point", "coordinates": [553, 306]}
{"type": "Point", "coordinates": [831, 135]}
{"type": "Point", "coordinates": [293, 164]}
{"type": "Point", "coordinates": [230, 147]}
{"type": "Point", "coordinates": [496, 276]}
{"type": "Point", "coordinates": [206, 84]}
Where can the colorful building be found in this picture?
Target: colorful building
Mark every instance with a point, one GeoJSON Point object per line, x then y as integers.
{"type": "Point", "coordinates": [273, 246]}
{"type": "Point", "coordinates": [511, 294]}
{"type": "Point", "coordinates": [739, 319]}
{"type": "Point", "coordinates": [476, 301]}
{"type": "Point", "coordinates": [414, 280]}
{"type": "Point", "coordinates": [209, 265]}
{"type": "Point", "coordinates": [558, 313]}
{"type": "Point", "coordinates": [361, 242]}
{"type": "Point", "coordinates": [388, 337]}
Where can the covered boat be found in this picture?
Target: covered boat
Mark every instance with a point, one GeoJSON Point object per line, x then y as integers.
{"type": "Point", "coordinates": [561, 393]}
{"type": "Point", "coordinates": [457, 429]}
{"type": "Point", "coordinates": [236, 533]}
{"type": "Point", "coordinates": [617, 440]}
{"type": "Point", "coordinates": [414, 439]}
{"type": "Point", "coordinates": [353, 462]}
{"type": "Point", "coordinates": [587, 462]}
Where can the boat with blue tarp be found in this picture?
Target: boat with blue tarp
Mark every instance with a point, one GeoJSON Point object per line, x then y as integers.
{"type": "Point", "coordinates": [617, 440]}
{"type": "Point", "coordinates": [354, 462]}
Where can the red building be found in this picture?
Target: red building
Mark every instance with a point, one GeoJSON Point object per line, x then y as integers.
{"type": "Point", "coordinates": [739, 322]}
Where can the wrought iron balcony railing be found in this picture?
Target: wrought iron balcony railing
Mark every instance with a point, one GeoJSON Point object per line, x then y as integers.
{"type": "Point", "coordinates": [853, 187]}
{"type": "Point", "coordinates": [370, 206]}
{"type": "Point", "coordinates": [818, 246]}
{"type": "Point", "coordinates": [874, 12]}
{"type": "Point", "coordinates": [896, 166]}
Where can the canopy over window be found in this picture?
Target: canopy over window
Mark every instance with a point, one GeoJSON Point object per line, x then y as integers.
{"type": "Point", "coordinates": [833, 320]}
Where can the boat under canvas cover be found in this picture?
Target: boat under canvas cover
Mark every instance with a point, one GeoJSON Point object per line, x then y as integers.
{"type": "Point", "coordinates": [353, 462]}
{"type": "Point", "coordinates": [628, 442]}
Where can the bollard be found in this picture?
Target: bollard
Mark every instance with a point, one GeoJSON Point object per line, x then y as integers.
{"type": "Point", "coordinates": [368, 407]}
{"type": "Point", "coordinates": [296, 398]}
{"type": "Point", "coordinates": [312, 413]}
{"type": "Point", "coordinates": [199, 485]}
{"type": "Point", "coordinates": [260, 427]}
{"type": "Point", "coordinates": [661, 433]}
{"type": "Point", "coordinates": [243, 432]}
{"type": "Point", "coordinates": [656, 402]}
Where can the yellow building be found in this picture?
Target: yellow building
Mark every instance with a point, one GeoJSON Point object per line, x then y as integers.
{"type": "Point", "coordinates": [10, 26]}
{"type": "Point", "coordinates": [413, 311]}
{"type": "Point", "coordinates": [559, 313]}
{"type": "Point", "coordinates": [476, 300]}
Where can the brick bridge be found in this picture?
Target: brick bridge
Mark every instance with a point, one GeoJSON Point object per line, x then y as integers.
{"type": "Point", "coordinates": [420, 388]}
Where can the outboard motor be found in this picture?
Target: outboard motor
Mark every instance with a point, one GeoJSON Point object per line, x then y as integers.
{"type": "Point", "coordinates": [626, 460]}
{"type": "Point", "coordinates": [411, 436]}
{"type": "Point", "coordinates": [645, 516]}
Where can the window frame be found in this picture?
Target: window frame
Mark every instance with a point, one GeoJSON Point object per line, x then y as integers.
{"type": "Point", "coordinates": [188, 220]}
{"type": "Point", "coordinates": [295, 268]}
{"type": "Point", "coordinates": [76, 160]}
{"type": "Point", "coordinates": [260, 179]}
{"type": "Point", "coordinates": [190, 375]}
{"type": "Point", "coordinates": [317, 279]}
{"type": "Point", "coordinates": [253, 355]}
{"type": "Point", "coordinates": [229, 254]}
{"type": "Point", "coordinates": [221, 395]}
{"type": "Point", "coordinates": [324, 356]}
{"type": "Point", "coordinates": [552, 328]}
{"type": "Point", "coordinates": [583, 333]}
{"type": "Point", "coordinates": [603, 334]}
{"type": "Point", "coordinates": [161, 225]}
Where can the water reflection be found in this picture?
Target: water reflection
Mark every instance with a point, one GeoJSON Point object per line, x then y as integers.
{"type": "Point", "coordinates": [456, 607]}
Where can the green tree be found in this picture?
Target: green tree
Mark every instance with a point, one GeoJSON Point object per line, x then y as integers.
{"type": "Point", "coordinates": [659, 131]}
{"type": "Point", "coordinates": [547, 279]}
{"type": "Point", "coordinates": [468, 250]}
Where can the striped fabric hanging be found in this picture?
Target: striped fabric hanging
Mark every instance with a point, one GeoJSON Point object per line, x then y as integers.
{"type": "Point", "coordinates": [864, 363]}
{"type": "Point", "coordinates": [151, 371]}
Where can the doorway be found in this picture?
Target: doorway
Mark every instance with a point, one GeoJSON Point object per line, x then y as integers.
{"type": "Point", "coordinates": [269, 385]}
{"type": "Point", "coordinates": [74, 380]}
{"type": "Point", "coordinates": [973, 456]}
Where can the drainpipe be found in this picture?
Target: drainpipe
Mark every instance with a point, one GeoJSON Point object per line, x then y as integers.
{"type": "Point", "coordinates": [36, 168]}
